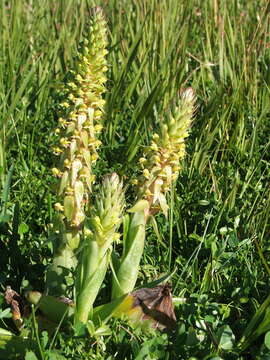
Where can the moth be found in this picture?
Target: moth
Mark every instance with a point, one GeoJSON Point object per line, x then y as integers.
{"type": "Point", "coordinates": [18, 305]}
{"type": "Point", "coordinates": [156, 305]}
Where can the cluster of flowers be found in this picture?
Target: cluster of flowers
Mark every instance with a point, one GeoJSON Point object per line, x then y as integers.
{"type": "Point", "coordinates": [80, 124]}
{"type": "Point", "coordinates": [161, 159]}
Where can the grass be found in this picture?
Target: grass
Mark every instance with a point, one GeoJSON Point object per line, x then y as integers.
{"type": "Point", "coordinates": [217, 237]}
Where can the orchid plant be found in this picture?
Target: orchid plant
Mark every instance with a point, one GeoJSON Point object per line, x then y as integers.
{"type": "Point", "coordinates": [87, 225]}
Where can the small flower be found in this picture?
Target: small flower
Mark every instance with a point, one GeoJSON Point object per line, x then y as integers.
{"type": "Point", "coordinates": [142, 160]}
{"type": "Point", "coordinates": [67, 163]}
{"type": "Point", "coordinates": [57, 150]}
{"type": "Point", "coordinates": [58, 207]}
{"type": "Point", "coordinates": [62, 122]}
{"type": "Point", "coordinates": [56, 172]}
{"type": "Point", "coordinates": [134, 181]}
{"type": "Point", "coordinates": [146, 173]}
{"type": "Point", "coordinates": [64, 142]}
{"type": "Point", "coordinates": [65, 104]}
{"type": "Point", "coordinates": [154, 146]}
{"type": "Point", "coordinates": [98, 128]}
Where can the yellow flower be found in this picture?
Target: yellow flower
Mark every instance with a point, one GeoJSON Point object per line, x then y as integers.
{"type": "Point", "coordinates": [58, 207]}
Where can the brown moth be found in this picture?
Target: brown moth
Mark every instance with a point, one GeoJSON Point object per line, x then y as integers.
{"type": "Point", "coordinates": [156, 305]}
{"type": "Point", "coordinates": [19, 307]}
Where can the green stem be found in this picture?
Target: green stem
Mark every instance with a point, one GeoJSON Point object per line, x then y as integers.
{"type": "Point", "coordinates": [37, 334]}
{"type": "Point", "coordinates": [89, 291]}
{"type": "Point", "coordinates": [88, 264]}
{"type": "Point", "coordinates": [63, 262]}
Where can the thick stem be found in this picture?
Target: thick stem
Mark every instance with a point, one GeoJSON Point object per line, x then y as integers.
{"type": "Point", "coordinates": [88, 294]}
{"type": "Point", "coordinates": [64, 261]}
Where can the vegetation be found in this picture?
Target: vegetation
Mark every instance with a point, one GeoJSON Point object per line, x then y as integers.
{"type": "Point", "coordinates": [214, 243]}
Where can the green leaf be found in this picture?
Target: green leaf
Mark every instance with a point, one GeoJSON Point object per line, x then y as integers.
{"type": "Point", "coordinates": [44, 338]}
{"type": "Point", "coordinates": [4, 332]}
{"type": "Point", "coordinates": [54, 309]}
{"type": "Point", "coordinates": [258, 324]}
{"type": "Point", "coordinates": [129, 263]}
{"type": "Point", "coordinates": [267, 340]}
{"type": "Point", "coordinates": [23, 228]}
{"type": "Point", "coordinates": [30, 356]}
{"type": "Point", "coordinates": [192, 339]}
{"type": "Point", "coordinates": [5, 313]}
{"type": "Point", "coordinates": [6, 190]}
{"type": "Point", "coordinates": [226, 337]}
{"type": "Point", "coordinates": [80, 328]}
{"type": "Point", "coordinates": [116, 307]}
{"type": "Point", "coordinates": [14, 347]}
{"type": "Point", "coordinates": [203, 202]}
